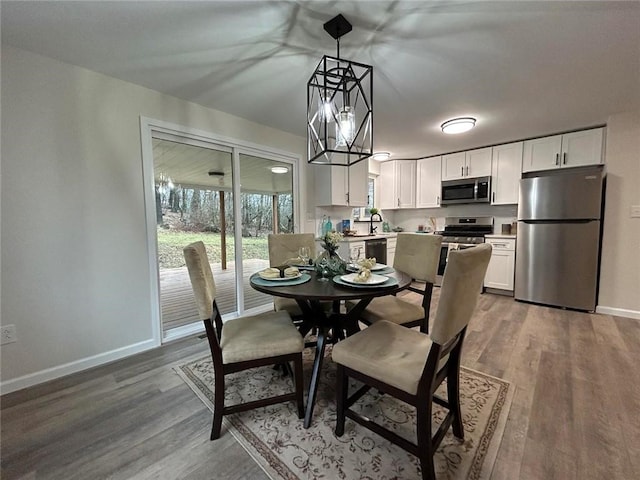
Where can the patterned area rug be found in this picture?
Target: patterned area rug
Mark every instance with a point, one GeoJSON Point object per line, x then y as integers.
{"type": "Point", "coordinates": [276, 439]}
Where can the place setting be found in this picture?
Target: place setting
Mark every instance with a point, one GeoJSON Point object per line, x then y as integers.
{"type": "Point", "coordinates": [280, 276]}
{"type": "Point", "coordinates": [365, 273]}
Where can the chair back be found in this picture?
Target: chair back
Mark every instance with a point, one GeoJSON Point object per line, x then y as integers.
{"type": "Point", "coordinates": [285, 246]}
{"type": "Point", "coordinates": [461, 285]}
{"type": "Point", "coordinates": [418, 255]}
{"type": "Point", "coordinates": [204, 287]}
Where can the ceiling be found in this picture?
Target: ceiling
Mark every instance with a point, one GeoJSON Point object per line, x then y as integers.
{"type": "Point", "coordinates": [523, 69]}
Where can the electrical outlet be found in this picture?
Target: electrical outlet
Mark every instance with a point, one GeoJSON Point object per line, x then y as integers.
{"type": "Point", "coordinates": [8, 334]}
{"type": "Point", "coordinates": [635, 211]}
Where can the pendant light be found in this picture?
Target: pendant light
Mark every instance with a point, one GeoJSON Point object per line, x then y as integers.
{"type": "Point", "coordinates": [339, 107]}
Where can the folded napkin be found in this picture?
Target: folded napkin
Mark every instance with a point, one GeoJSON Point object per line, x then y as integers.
{"type": "Point", "coordinates": [363, 275]}
{"type": "Point", "coordinates": [367, 262]}
{"type": "Point", "coordinates": [271, 272]}
{"type": "Point", "coordinates": [279, 272]}
{"type": "Point", "coordinates": [294, 261]}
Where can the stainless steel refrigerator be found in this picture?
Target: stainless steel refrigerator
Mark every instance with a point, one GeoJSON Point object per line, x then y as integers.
{"type": "Point", "coordinates": [559, 237]}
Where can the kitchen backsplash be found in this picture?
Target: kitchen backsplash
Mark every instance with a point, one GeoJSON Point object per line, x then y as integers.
{"type": "Point", "coordinates": [409, 219]}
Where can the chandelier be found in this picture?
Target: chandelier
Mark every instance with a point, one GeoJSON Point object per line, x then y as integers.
{"type": "Point", "coordinates": [339, 107]}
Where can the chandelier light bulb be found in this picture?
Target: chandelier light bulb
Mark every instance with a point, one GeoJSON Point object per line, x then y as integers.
{"type": "Point", "coordinates": [345, 127]}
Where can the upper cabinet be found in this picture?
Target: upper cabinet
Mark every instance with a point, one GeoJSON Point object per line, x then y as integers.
{"type": "Point", "coordinates": [469, 164]}
{"type": "Point", "coordinates": [341, 186]}
{"type": "Point", "coordinates": [506, 171]}
{"type": "Point", "coordinates": [428, 174]}
{"type": "Point", "coordinates": [559, 151]}
{"type": "Point", "coordinates": [397, 184]}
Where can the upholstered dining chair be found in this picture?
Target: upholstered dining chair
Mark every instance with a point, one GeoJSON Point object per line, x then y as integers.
{"type": "Point", "coordinates": [284, 247]}
{"type": "Point", "coordinates": [409, 365]}
{"type": "Point", "coordinates": [418, 255]}
{"type": "Point", "coordinates": [243, 343]}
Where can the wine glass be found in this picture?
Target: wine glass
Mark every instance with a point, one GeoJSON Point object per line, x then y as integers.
{"type": "Point", "coordinates": [304, 255]}
{"type": "Point", "coordinates": [323, 265]}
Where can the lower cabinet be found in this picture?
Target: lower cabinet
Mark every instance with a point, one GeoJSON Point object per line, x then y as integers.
{"type": "Point", "coordinates": [391, 250]}
{"type": "Point", "coordinates": [500, 273]}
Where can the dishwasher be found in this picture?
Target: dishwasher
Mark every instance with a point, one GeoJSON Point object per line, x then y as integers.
{"type": "Point", "coordinates": [376, 247]}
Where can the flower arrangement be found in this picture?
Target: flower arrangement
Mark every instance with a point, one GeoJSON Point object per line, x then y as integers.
{"type": "Point", "coordinates": [330, 241]}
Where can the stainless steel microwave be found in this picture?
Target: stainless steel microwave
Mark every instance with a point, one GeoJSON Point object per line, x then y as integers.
{"type": "Point", "coordinates": [466, 190]}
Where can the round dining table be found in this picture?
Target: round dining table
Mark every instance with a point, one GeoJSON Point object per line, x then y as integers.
{"type": "Point", "coordinates": [333, 324]}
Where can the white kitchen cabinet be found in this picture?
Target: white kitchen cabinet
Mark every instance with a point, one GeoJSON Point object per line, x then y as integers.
{"type": "Point", "coordinates": [469, 164]}
{"type": "Point", "coordinates": [501, 269]}
{"type": "Point", "coordinates": [428, 183]}
{"type": "Point", "coordinates": [574, 149]}
{"type": "Point", "coordinates": [341, 186]}
{"type": "Point", "coordinates": [391, 250]}
{"type": "Point", "coordinates": [397, 184]}
{"type": "Point", "coordinates": [506, 170]}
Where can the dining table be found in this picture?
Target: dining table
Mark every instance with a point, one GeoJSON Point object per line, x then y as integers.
{"type": "Point", "coordinates": [312, 291]}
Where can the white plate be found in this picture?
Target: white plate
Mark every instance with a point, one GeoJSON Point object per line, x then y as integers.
{"type": "Point", "coordinates": [372, 280]}
{"type": "Point", "coordinates": [279, 279]}
{"type": "Point", "coordinates": [377, 266]}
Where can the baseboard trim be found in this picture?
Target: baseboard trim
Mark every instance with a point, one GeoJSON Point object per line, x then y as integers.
{"type": "Point", "coordinates": [618, 312]}
{"type": "Point", "coordinates": [53, 373]}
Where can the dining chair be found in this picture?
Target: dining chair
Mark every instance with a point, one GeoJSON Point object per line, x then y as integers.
{"type": "Point", "coordinates": [284, 247]}
{"type": "Point", "coordinates": [242, 343]}
{"type": "Point", "coordinates": [410, 365]}
{"type": "Point", "coordinates": [418, 255]}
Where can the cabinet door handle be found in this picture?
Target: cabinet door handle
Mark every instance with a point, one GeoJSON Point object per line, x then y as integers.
{"type": "Point", "coordinates": [557, 159]}
{"type": "Point", "coordinates": [398, 202]}
{"type": "Point", "coordinates": [462, 171]}
{"type": "Point", "coordinates": [493, 199]}
{"type": "Point", "coordinates": [499, 245]}
{"type": "Point", "coordinates": [347, 195]}
{"type": "Point", "coordinates": [467, 170]}
{"type": "Point", "coordinates": [438, 200]}
{"type": "Point", "coordinates": [564, 158]}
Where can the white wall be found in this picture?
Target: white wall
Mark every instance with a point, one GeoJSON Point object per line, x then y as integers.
{"type": "Point", "coordinates": [75, 274]}
{"type": "Point", "coordinates": [620, 271]}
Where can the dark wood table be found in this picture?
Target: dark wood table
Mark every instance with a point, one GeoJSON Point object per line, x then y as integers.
{"type": "Point", "coordinates": [332, 325]}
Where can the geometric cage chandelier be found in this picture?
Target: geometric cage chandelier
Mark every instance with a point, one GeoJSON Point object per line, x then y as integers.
{"type": "Point", "coordinates": [339, 107]}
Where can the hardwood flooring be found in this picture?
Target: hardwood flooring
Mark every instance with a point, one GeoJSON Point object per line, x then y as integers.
{"type": "Point", "coordinates": [575, 413]}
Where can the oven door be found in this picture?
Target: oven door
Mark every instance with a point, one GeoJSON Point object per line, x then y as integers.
{"type": "Point", "coordinates": [444, 256]}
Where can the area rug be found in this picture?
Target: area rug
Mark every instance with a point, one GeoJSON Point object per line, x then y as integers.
{"type": "Point", "coordinates": [276, 439]}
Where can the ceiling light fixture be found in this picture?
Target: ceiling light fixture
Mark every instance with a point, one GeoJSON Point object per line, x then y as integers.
{"type": "Point", "coordinates": [279, 169]}
{"type": "Point", "coordinates": [339, 107]}
{"type": "Point", "coordinates": [381, 156]}
{"type": "Point", "coordinates": [458, 125]}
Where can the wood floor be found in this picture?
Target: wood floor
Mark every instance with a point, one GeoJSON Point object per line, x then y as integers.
{"type": "Point", "coordinates": [575, 414]}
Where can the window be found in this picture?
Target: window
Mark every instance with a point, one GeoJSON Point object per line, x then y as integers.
{"type": "Point", "coordinates": [363, 213]}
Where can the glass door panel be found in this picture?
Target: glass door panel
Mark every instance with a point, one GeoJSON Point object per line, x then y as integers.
{"type": "Point", "coordinates": [267, 206]}
{"type": "Point", "coordinates": [193, 184]}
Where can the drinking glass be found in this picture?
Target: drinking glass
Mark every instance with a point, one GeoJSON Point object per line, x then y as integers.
{"type": "Point", "coordinates": [323, 265]}
{"type": "Point", "coordinates": [354, 256]}
{"type": "Point", "coordinates": [304, 255]}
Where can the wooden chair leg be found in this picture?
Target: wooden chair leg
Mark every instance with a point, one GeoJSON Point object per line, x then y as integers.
{"type": "Point", "coordinates": [341, 399]}
{"type": "Point", "coordinates": [425, 444]}
{"type": "Point", "coordinates": [218, 407]}
{"type": "Point", "coordinates": [299, 385]}
{"type": "Point", "coordinates": [453, 396]}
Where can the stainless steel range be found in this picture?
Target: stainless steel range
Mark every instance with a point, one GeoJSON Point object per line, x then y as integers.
{"type": "Point", "coordinates": [460, 233]}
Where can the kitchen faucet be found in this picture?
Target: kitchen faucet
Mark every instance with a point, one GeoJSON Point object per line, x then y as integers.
{"type": "Point", "coordinates": [372, 229]}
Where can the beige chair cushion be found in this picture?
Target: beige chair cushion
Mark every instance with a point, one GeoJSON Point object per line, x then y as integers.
{"type": "Point", "coordinates": [285, 246]}
{"type": "Point", "coordinates": [392, 309]}
{"type": "Point", "coordinates": [260, 336]}
{"type": "Point", "coordinates": [387, 352]}
{"type": "Point", "coordinates": [204, 288]}
{"type": "Point", "coordinates": [418, 255]}
{"type": "Point", "coordinates": [460, 289]}
{"type": "Point", "coordinates": [288, 305]}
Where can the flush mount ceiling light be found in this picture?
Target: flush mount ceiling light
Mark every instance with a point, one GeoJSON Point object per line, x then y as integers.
{"type": "Point", "coordinates": [380, 156]}
{"type": "Point", "coordinates": [458, 125]}
{"type": "Point", "coordinates": [339, 107]}
{"type": "Point", "coordinates": [279, 169]}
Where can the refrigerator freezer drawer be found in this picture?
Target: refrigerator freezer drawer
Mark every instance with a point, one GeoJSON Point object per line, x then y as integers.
{"type": "Point", "coordinates": [557, 264]}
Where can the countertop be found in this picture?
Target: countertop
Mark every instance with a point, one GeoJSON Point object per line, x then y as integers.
{"type": "Point", "coordinates": [362, 238]}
